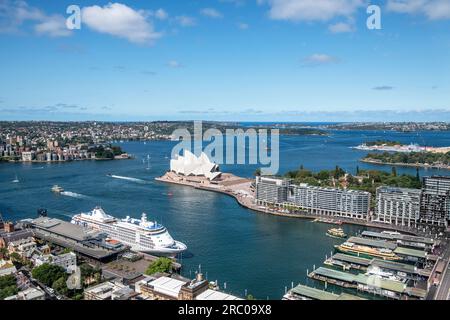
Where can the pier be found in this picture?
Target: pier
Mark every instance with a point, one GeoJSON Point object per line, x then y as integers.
{"type": "Point", "coordinates": [368, 283]}
{"type": "Point", "coordinates": [348, 262]}
{"type": "Point", "coordinates": [302, 292]}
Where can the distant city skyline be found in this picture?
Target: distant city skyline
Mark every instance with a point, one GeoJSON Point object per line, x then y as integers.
{"type": "Point", "coordinates": [227, 60]}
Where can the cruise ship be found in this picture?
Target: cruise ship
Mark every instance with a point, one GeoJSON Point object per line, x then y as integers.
{"type": "Point", "coordinates": [140, 234]}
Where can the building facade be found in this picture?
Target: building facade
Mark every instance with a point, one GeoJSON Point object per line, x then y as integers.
{"type": "Point", "coordinates": [330, 201]}
{"type": "Point", "coordinates": [271, 190]}
{"type": "Point", "coordinates": [399, 206]}
{"type": "Point", "coordinates": [68, 261]}
{"type": "Point", "coordinates": [314, 200]}
{"type": "Point", "coordinates": [435, 201]}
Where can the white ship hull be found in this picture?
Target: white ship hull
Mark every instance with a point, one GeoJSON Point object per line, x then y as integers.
{"type": "Point", "coordinates": [177, 248]}
{"type": "Point", "coordinates": [140, 235]}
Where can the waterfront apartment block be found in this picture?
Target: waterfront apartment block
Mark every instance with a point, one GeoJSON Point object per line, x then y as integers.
{"type": "Point", "coordinates": [330, 201]}
{"type": "Point", "coordinates": [399, 206]}
{"type": "Point", "coordinates": [271, 190]}
{"type": "Point", "coordinates": [314, 200]}
{"type": "Point", "coordinates": [435, 201]}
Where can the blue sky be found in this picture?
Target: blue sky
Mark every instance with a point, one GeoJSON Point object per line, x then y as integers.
{"type": "Point", "coordinates": [252, 60]}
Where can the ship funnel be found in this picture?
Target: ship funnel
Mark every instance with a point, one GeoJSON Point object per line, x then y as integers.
{"type": "Point", "coordinates": [199, 277]}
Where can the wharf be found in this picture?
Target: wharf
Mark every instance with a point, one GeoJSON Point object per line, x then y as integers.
{"type": "Point", "coordinates": [381, 244]}
{"type": "Point", "coordinates": [404, 240]}
{"type": "Point", "coordinates": [302, 292]}
{"type": "Point", "coordinates": [347, 262]}
{"type": "Point", "coordinates": [68, 235]}
{"type": "Point", "coordinates": [368, 283]}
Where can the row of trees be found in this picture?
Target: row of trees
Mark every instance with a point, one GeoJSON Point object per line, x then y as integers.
{"type": "Point", "coordinates": [102, 152]}
{"type": "Point", "coordinates": [366, 180]}
{"type": "Point", "coordinates": [162, 264]}
{"type": "Point", "coordinates": [56, 277]}
{"type": "Point", "coordinates": [383, 143]}
{"type": "Point", "coordinates": [411, 158]}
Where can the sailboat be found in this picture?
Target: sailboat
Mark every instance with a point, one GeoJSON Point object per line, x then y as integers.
{"type": "Point", "coordinates": [16, 180]}
{"type": "Point", "coordinates": [148, 162]}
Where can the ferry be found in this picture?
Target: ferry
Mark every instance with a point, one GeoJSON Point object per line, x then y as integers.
{"type": "Point", "coordinates": [57, 189]}
{"type": "Point", "coordinates": [336, 233]}
{"type": "Point", "coordinates": [368, 252]}
{"type": "Point", "coordinates": [140, 234]}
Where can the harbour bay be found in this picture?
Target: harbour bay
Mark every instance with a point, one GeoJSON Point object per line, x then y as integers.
{"type": "Point", "coordinates": [249, 251]}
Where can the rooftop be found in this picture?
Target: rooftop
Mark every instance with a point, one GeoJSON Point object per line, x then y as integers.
{"type": "Point", "coordinates": [391, 236]}
{"type": "Point", "coordinates": [351, 259]}
{"type": "Point", "coordinates": [63, 228]}
{"type": "Point", "coordinates": [372, 281]}
{"type": "Point", "coordinates": [168, 286]}
{"type": "Point", "coordinates": [410, 252]}
{"type": "Point", "coordinates": [215, 295]}
{"type": "Point", "coordinates": [104, 290]}
{"type": "Point", "coordinates": [392, 265]}
{"type": "Point", "coordinates": [313, 293]}
{"type": "Point", "coordinates": [373, 243]}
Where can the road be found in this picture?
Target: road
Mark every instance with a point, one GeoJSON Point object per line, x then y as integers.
{"type": "Point", "coordinates": [444, 287]}
{"type": "Point", "coordinates": [50, 295]}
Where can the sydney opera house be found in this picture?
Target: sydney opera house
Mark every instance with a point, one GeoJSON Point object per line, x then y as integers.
{"type": "Point", "coordinates": [191, 165]}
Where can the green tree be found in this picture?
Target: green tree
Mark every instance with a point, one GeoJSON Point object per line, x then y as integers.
{"type": "Point", "coordinates": [60, 286]}
{"type": "Point", "coordinates": [16, 258]}
{"type": "Point", "coordinates": [48, 273]}
{"type": "Point", "coordinates": [258, 172]}
{"type": "Point", "coordinates": [3, 252]}
{"type": "Point", "coordinates": [162, 264]}
{"type": "Point", "coordinates": [8, 286]}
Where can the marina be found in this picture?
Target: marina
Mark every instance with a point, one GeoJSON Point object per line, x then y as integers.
{"type": "Point", "coordinates": [302, 292]}
{"type": "Point", "coordinates": [347, 262]}
{"type": "Point", "coordinates": [371, 284]}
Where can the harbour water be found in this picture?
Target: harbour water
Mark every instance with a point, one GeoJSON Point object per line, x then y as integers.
{"type": "Point", "coordinates": [252, 252]}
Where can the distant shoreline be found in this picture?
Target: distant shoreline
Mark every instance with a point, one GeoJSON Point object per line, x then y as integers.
{"type": "Point", "coordinates": [400, 164]}
{"type": "Point", "coordinates": [62, 161]}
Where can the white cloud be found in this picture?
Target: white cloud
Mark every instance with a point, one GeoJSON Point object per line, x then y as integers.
{"type": "Point", "coordinates": [243, 26]}
{"type": "Point", "coordinates": [432, 9]}
{"type": "Point", "coordinates": [161, 14]}
{"type": "Point", "coordinates": [54, 26]}
{"type": "Point", "coordinates": [119, 20]}
{"type": "Point", "coordinates": [13, 14]}
{"type": "Point", "coordinates": [318, 59]}
{"type": "Point", "coordinates": [211, 13]}
{"type": "Point", "coordinates": [185, 21]}
{"type": "Point", "coordinates": [341, 27]}
{"type": "Point", "coordinates": [311, 10]}
{"type": "Point", "coordinates": [174, 64]}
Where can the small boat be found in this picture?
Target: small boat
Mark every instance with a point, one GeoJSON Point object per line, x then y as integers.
{"type": "Point", "coordinates": [336, 233]}
{"type": "Point", "coordinates": [57, 189]}
{"type": "Point", "coordinates": [16, 180]}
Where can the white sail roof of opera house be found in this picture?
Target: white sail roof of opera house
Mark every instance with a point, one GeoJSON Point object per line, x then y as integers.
{"type": "Point", "coordinates": [191, 165]}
